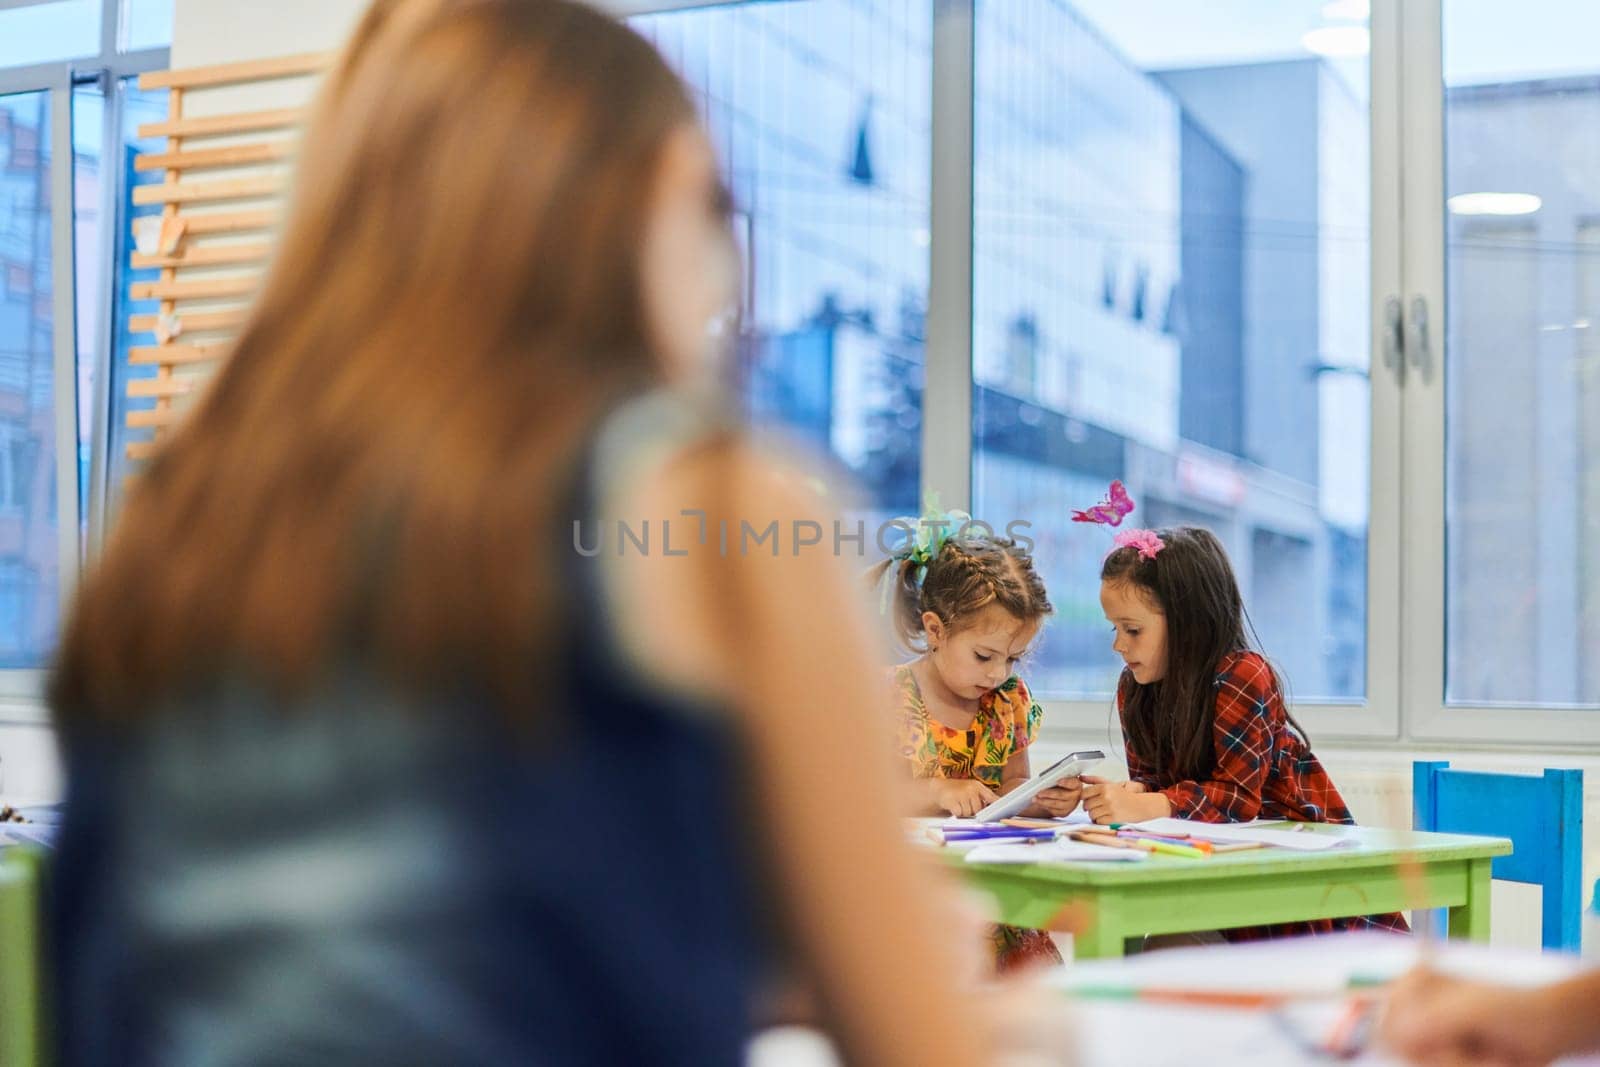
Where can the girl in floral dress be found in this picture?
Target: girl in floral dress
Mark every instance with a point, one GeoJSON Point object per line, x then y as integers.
{"type": "Point", "coordinates": [971, 607]}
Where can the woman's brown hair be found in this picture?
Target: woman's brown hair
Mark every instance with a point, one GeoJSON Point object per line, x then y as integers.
{"type": "Point", "coordinates": [967, 574]}
{"type": "Point", "coordinates": [379, 467]}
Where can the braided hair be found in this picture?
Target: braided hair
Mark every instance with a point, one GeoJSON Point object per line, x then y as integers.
{"type": "Point", "coordinates": [966, 574]}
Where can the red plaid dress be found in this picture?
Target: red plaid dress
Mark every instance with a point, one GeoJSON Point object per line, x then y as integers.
{"type": "Point", "coordinates": [1263, 770]}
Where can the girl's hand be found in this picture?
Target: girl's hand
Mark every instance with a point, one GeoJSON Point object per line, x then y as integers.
{"type": "Point", "coordinates": [963, 797]}
{"type": "Point", "coordinates": [1059, 801]}
{"type": "Point", "coordinates": [1122, 801]}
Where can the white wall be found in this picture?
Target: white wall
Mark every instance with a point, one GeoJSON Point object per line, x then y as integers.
{"type": "Point", "coordinates": [207, 32]}
{"type": "Point", "coordinates": [29, 769]}
{"type": "Point", "coordinates": [212, 31]}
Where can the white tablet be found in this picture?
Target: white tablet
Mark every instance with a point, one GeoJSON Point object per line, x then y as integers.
{"type": "Point", "coordinates": [1014, 802]}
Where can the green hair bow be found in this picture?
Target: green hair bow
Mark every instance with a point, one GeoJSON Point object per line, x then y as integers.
{"type": "Point", "coordinates": [929, 532]}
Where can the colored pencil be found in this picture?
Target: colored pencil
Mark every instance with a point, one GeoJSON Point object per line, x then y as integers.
{"type": "Point", "coordinates": [1203, 846]}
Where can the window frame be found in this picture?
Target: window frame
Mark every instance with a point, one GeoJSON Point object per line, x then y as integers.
{"type": "Point", "coordinates": [1430, 718]}
{"type": "Point", "coordinates": [22, 690]}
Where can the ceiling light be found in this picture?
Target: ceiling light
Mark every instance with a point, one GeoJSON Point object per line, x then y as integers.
{"type": "Point", "coordinates": [1494, 204]}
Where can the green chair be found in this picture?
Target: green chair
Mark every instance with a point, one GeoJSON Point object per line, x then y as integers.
{"type": "Point", "coordinates": [21, 1002]}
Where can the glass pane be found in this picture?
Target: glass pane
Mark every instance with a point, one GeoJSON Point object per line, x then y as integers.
{"type": "Point", "coordinates": [50, 31]}
{"type": "Point", "coordinates": [1172, 287]}
{"type": "Point", "coordinates": [819, 111]}
{"type": "Point", "coordinates": [139, 107]}
{"type": "Point", "coordinates": [146, 24]}
{"type": "Point", "coordinates": [1522, 356]}
{"type": "Point", "coordinates": [89, 233]}
{"type": "Point", "coordinates": [92, 232]}
{"type": "Point", "coordinates": [29, 545]}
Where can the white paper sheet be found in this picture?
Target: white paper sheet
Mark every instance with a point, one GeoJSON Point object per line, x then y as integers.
{"type": "Point", "coordinates": [1272, 834]}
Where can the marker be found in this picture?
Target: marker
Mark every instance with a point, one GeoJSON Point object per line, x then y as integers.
{"type": "Point", "coordinates": [1152, 836]}
{"type": "Point", "coordinates": [1350, 1033]}
{"type": "Point", "coordinates": [1217, 998]}
{"type": "Point", "coordinates": [1103, 839]}
{"type": "Point", "coordinates": [1142, 836]}
{"type": "Point", "coordinates": [1169, 849]}
{"type": "Point", "coordinates": [1245, 999]}
{"type": "Point", "coordinates": [1134, 835]}
{"type": "Point", "coordinates": [1006, 834]}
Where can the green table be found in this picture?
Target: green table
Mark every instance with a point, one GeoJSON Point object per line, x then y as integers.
{"type": "Point", "coordinates": [1170, 895]}
{"type": "Point", "coordinates": [21, 1020]}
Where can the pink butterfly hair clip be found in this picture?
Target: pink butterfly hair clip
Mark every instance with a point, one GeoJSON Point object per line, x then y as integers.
{"type": "Point", "coordinates": [1117, 506]}
{"type": "Point", "coordinates": [1110, 511]}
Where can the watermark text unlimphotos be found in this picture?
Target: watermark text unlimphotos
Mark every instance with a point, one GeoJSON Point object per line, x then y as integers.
{"type": "Point", "coordinates": [674, 537]}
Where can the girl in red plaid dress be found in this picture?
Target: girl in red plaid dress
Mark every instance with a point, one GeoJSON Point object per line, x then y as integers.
{"type": "Point", "coordinates": [1207, 732]}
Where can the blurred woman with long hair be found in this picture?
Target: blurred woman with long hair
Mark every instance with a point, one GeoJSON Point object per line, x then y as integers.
{"type": "Point", "coordinates": [367, 761]}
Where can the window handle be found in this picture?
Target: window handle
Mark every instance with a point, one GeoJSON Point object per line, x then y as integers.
{"type": "Point", "coordinates": [1421, 355]}
{"type": "Point", "coordinates": [1394, 338]}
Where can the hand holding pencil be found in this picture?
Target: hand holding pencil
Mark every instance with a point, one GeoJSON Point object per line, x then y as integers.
{"type": "Point", "coordinates": [1431, 1018]}
{"type": "Point", "coordinates": [1434, 1019]}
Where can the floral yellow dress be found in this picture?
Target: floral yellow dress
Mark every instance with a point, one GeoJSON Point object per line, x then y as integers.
{"type": "Point", "coordinates": [1006, 723]}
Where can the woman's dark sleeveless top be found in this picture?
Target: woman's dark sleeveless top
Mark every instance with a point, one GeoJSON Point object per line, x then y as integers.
{"type": "Point", "coordinates": [368, 879]}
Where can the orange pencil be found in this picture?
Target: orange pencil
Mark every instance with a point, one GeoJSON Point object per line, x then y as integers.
{"type": "Point", "coordinates": [1091, 837]}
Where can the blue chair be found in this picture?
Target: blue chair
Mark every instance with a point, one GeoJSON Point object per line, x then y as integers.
{"type": "Point", "coordinates": [1543, 817]}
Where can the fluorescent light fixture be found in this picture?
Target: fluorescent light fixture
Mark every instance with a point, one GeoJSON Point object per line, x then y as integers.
{"type": "Point", "coordinates": [1352, 10]}
{"type": "Point", "coordinates": [1494, 204]}
{"type": "Point", "coordinates": [1338, 42]}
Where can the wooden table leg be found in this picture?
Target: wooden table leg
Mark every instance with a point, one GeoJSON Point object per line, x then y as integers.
{"type": "Point", "coordinates": [1471, 919]}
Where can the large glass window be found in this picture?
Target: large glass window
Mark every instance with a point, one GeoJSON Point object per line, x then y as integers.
{"type": "Point", "coordinates": [1172, 288]}
{"type": "Point", "coordinates": [819, 111]}
{"type": "Point", "coordinates": [30, 556]}
{"type": "Point", "coordinates": [1522, 371]}
{"type": "Point", "coordinates": [146, 24]}
{"type": "Point", "coordinates": [48, 191]}
{"type": "Point", "coordinates": [48, 31]}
